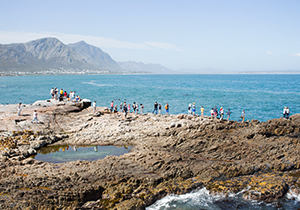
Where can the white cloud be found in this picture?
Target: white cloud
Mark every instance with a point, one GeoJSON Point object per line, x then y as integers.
{"type": "Point", "coordinates": [269, 53]}
{"type": "Point", "coordinates": [102, 42]}
{"type": "Point", "coordinates": [165, 46]}
{"type": "Point", "coordinates": [295, 54]}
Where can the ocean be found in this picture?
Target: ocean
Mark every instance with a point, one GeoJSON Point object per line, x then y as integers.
{"type": "Point", "coordinates": [263, 97]}
{"type": "Point", "coordinates": [202, 200]}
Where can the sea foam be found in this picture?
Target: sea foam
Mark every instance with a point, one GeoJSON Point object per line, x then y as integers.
{"type": "Point", "coordinates": [95, 84]}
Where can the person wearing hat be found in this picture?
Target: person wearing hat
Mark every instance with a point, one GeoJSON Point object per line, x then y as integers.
{"type": "Point", "coordinates": [194, 108]}
{"type": "Point", "coordinates": [221, 113]}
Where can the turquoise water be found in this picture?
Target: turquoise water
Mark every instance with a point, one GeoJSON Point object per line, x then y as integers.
{"type": "Point", "coordinates": [262, 96]}
{"type": "Point", "coordinates": [67, 153]}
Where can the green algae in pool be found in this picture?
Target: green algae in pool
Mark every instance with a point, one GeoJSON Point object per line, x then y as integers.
{"type": "Point", "coordinates": [68, 153]}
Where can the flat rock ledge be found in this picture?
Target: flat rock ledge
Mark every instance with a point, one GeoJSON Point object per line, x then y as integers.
{"type": "Point", "coordinates": [171, 155]}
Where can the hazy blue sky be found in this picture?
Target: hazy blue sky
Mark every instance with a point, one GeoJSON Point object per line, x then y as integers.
{"type": "Point", "coordinates": [228, 35]}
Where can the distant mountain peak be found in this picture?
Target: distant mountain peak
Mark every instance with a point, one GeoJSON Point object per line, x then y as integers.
{"type": "Point", "coordinates": [50, 53]}
{"type": "Point", "coordinates": [81, 42]}
{"type": "Point", "coordinates": [46, 39]}
{"type": "Point", "coordinates": [95, 55]}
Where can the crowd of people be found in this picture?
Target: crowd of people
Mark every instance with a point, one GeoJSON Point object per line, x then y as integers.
{"type": "Point", "coordinates": [63, 95]}
{"type": "Point", "coordinates": [56, 95]}
{"type": "Point", "coordinates": [127, 108]}
{"type": "Point", "coordinates": [137, 108]}
{"type": "Point", "coordinates": [215, 113]}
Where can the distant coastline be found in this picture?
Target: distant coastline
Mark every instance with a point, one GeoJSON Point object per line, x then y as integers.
{"type": "Point", "coordinates": [67, 72]}
{"type": "Point", "coordinates": [105, 72]}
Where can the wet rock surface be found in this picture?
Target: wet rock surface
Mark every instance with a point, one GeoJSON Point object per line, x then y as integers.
{"type": "Point", "coordinates": [171, 154]}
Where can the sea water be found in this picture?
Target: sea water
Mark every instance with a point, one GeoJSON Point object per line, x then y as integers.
{"type": "Point", "coordinates": [201, 199]}
{"type": "Point", "coordinates": [262, 97]}
{"type": "Point", "coordinates": [67, 153]}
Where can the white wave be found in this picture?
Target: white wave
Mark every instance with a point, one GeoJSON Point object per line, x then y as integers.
{"type": "Point", "coordinates": [201, 197]}
{"type": "Point", "coordinates": [291, 195]}
{"type": "Point", "coordinates": [95, 84]}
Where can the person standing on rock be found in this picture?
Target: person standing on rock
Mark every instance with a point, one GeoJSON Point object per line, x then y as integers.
{"type": "Point", "coordinates": [243, 116]}
{"type": "Point", "coordinates": [133, 107]}
{"type": "Point", "coordinates": [284, 112]}
{"type": "Point", "coordinates": [121, 106]}
{"type": "Point", "coordinates": [65, 95]}
{"type": "Point", "coordinates": [287, 112]}
{"type": "Point", "coordinates": [52, 93]}
{"type": "Point", "coordinates": [94, 106]}
{"type": "Point", "coordinates": [111, 106]}
{"type": "Point", "coordinates": [55, 93]}
{"type": "Point", "coordinates": [221, 113]}
{"type": "Point", "coordinates": [212, 113]}
{"type": "Point", "coordinates": [19, 109]}
{"type": "Point", "coordinates": [159, 109]}
{"type": "Point", "coordinates": [142, 108]}
{"type": "Point", "coordinates": [167, 109]}
{"type": "Point", "coordinates": [116, 109]}
{"type": "Point", "coordinates": [155, 108]}
{"type": "Point", "coordinates": [61, 93]}
{"type": "Point", "coordinates": [73, 95]}
{"type": "Point", "coordinates": [190, 109]}
{"type": "Point", "coordinates": [216, 112]}
{"type": "Point", "coordinates": [35, 117]}
{"type": "Point", "coordinates": [228, 114]}
{"type": "Point", "coordinates": [125, 110]}
{"type": "Point", "coordinates": [194, 108]}
{"type": "Point", "coordinates": [202, 111]}
{"type": "Point", "coordinates": [128, 108]}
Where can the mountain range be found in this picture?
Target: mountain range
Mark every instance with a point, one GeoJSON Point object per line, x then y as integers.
{"type": "Point", "coordinates": [133, 66]}
{"type": "Point", "coordinates": [50, 53]}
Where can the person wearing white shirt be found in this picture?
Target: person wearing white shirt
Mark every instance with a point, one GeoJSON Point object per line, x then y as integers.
{"type": "Point", "coordinates": [94, 105]}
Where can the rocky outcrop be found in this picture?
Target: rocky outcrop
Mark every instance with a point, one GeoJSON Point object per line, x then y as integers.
{"type": "Point", "coordinates": [171, 154]}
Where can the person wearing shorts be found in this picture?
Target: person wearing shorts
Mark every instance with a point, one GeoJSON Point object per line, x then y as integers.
{"type": "Point", "coordinates": [112, 106]}
{"type": "Point", "coordinates": [228, 114]}
{"type": "Point", "coordinates": [212, 112]}
{"type": "Point", "coordinates": [167, 109]}
{"type": "Point", "coordinates": [194, 108]}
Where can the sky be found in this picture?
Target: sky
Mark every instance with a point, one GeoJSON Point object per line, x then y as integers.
{"type": "Point", "coordinates": [227, 36]}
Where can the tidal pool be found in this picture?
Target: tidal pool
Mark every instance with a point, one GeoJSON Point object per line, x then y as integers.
{"type": "Point", "coordinates": [67, 153]}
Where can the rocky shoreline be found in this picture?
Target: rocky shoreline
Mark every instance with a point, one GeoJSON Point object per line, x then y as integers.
{"type": "Point", "coordinates": [171, 154]}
